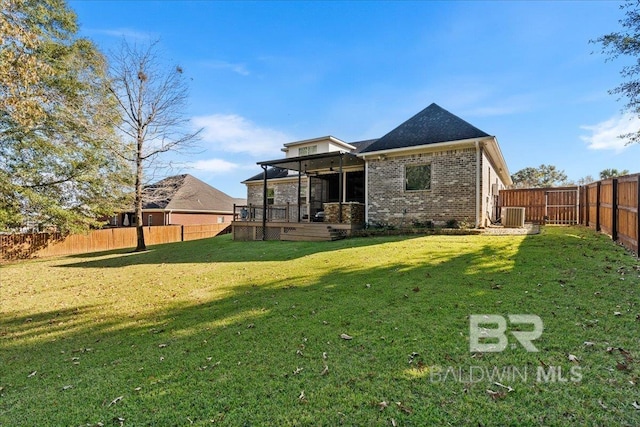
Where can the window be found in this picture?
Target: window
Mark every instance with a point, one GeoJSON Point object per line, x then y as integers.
{"type": "Point", "coordinates": [417, 177]}
{"type": "Point", "coordinates": [305, 151]}
{"type": "Point", "coordinates": [220, 220]}
{"type": "Point", "coordinates": [271, 195]}
{"type": "Point", "coordinates": [150, 220]}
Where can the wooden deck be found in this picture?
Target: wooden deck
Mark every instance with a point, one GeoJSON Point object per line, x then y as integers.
{"type": "Point", "coordinates": [292, 231]}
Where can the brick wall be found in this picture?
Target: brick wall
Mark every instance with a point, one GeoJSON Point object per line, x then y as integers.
{"type": "Point", "coordinates": [352, 213]}
{"type": "Point", "coordinates": [451, 196]}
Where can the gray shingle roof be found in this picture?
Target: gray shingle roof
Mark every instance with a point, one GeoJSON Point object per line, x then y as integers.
{"type": "Point", "coordinates": [362, 145]}
{"type": "Point", "coordinates": [432, 125]}
{"type": "Point", "coordinates": [272, 173]}
{"type": "Point", "coordinates": [186, 193]}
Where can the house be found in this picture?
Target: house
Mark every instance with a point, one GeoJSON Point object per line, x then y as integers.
{"type": "Point", "coordinates": [184, 200]}
{"type": "Point", "coordinates": [433, 167]}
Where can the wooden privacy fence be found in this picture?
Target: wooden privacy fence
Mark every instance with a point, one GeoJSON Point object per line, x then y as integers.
{"type": "Point", "coordinates": [21, 246]}
{"type": "Point", "coordinates": [609, 206]}
{"type": "Point", "coordinates": [612, 206]}
{"type": "Point", "coordinates": [544, 205]}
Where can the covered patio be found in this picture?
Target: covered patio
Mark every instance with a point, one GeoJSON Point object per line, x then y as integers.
{"type": "Point", "coordinates": [330, 194]}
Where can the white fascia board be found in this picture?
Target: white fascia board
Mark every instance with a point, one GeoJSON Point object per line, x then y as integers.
{"type": "Point", "coordinates": [495, 155]}
{"type": "Point", "coordinates": [438, 146]}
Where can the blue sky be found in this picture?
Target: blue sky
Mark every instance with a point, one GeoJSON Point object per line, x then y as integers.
{"type": "Point", "coordinates": [267, 73]}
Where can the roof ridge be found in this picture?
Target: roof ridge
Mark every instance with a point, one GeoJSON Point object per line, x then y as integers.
{"type": "Point", "coordinates": [431, 125]}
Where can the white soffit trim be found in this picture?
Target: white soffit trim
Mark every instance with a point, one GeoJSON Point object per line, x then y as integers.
{"type": "Point", "coordinates": [438, 146]}
{"type": "Point", "coordinates": [495, 155]}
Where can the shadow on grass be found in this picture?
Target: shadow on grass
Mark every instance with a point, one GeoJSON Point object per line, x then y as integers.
{"type": "Point", "coordinates": [249, 354]}
{"type": "Point", "coordinates": [222, 249]}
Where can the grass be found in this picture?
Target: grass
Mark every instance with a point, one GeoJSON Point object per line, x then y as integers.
{"type": "Point", "coordinates": [248, 333]}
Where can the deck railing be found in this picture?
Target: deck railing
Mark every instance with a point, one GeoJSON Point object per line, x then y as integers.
{"type": "Point", "coordinates": [289, 212]}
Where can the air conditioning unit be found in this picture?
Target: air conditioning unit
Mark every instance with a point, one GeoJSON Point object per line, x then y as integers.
{"type": "Point", "coordinates": [513, 217]}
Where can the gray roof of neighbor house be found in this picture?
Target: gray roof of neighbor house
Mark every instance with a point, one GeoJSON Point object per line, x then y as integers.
{"type": "Point", "coordinates": [186, 193]}
{"type": "Point", "coordinates": [432, 125]}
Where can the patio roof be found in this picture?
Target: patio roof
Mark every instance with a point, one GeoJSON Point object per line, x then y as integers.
{"type": "Point", "coordinates": [316, 162]}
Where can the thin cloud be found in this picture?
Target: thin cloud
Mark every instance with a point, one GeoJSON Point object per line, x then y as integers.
{"type": "Point", "coordinates": [606, 135]}
{"type": "Point", "coordinates": [236, 134]}
{"type": "Point", "coordinates": [223, 65]}
{"type": "Point", "coordinates": [214, 166]}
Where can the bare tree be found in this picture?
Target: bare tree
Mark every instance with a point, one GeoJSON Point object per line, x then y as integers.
{"type": "Point", "coordinates": [152, 98]}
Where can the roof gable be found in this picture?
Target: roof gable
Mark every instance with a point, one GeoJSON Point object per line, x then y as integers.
{"type": "Point", "coordinates": [432, 125]}
{"type": "Point", "coordinates": [185, 193]}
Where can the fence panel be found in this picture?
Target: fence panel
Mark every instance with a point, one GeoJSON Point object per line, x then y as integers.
{"type": "Point", "coordinates": [562, 206]}
{"type": "Point", "coordinates": [612, 206]}
{"type": "Point", "coordinates": [532, 199]}
{"type": "Point", "coordinates": [194, 232]}
{"type": "Point", "coordinates": [22, 246]}
{"type": "Point", "coordinates": [605, 208]}
{"type": "Point", "coordinates": [591, 205]}
{"type": "Point", "coordinates": [544, 205]}
{"type": "Point", "coordinates": [628, 205]}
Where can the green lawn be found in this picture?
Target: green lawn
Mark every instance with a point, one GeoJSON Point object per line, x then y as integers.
{"type": "Point", "coordinates": [249, 333]}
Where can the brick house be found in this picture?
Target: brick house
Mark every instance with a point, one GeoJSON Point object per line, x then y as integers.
{"type": "Point", "coordinates": [433, 167]}
{"type": "Point", "coordinates": [184, 200]}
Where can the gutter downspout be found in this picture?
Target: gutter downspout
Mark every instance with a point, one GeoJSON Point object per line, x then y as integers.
{"type": "Point", "coordinates": [478, 188]}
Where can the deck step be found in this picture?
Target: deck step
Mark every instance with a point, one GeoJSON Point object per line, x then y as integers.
{"type": "Point", "coordinates": [311, 232]}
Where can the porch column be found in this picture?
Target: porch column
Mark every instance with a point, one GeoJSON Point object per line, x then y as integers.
{"type": "Point", "coordinates": [340, 191]}
{"type": "Point", "coordinates": [299, 185]}
{"type": "Point", "coordinates": [264, 203]}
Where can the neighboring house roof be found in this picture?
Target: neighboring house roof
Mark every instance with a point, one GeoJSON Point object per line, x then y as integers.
{"type": "Point", "coordinates": [432, 125]}
{"type": "Point", "coordinates": [186, 193]}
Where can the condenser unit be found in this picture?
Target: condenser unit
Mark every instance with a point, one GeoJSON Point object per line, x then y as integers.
{"type": "Point", "coordinates": [513, 217]}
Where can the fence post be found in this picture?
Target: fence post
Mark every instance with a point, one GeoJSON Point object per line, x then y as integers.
{"type": "Point", "coordinates": [583, 219]}
{"type": "Point", "coordinates": [614, 209]}
{"type": "Point", "coordinates": [598, 205]}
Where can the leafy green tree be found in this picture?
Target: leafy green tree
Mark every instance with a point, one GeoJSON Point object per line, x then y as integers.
{"type": "Point", "coordinates": [56, 122]}
{"type": "Point", "coordinates": [585, 180]}
{"type": "Point", "coordinates": [626, 43]}
{"type": "Point", "coordinates": [542, 176]}
{"type": "Point", "coordinates": [612, 173]}
{"type": "Point", "coordinates": [152, 99]}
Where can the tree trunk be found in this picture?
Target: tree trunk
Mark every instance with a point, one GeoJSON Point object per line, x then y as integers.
{"type": "Point", "coordinates": [140, 246]}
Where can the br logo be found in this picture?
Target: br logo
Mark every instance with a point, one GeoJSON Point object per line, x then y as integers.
{"type": "Point", "coordinates": [494, 339]}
